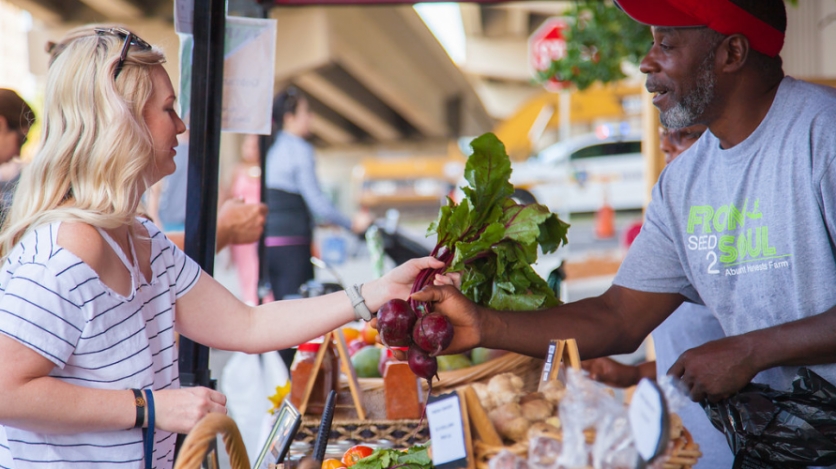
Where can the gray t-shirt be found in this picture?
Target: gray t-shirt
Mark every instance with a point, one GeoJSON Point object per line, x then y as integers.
{"type": "Point", "coordinates": [749, 231]}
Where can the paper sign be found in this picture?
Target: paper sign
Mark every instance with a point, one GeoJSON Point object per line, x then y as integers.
{"type": "Point", "coordinates": [249, 71]}
{"type": "Point", "coordinates": [444, 417]}
{"type": "Point", "coordinates": [183, 16]}
{"type": "Point", "coordinates": [649, 420]}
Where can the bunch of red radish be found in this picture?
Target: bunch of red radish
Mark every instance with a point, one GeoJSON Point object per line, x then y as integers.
{"type": "Point", "coordinates": [426, 334]}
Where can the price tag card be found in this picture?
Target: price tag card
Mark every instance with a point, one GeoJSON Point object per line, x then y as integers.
{"type": "Point", "coordinates": [549, 365]}
{"type": "Point", "coordinates": [649, 420]}
{"type": "Point", "coordinates": [445, 419]}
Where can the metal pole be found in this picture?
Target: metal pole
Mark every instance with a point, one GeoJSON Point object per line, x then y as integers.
{"type": "Point", "coordinates": [264, 142]}
{"type": "Point", "coordinates": [204, 148]}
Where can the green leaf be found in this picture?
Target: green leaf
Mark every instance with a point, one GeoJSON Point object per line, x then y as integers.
{"type": "Point", "coordinates": [522, 222]}
{"type": "Point", "coordinates": [418, 458]}
{"type": "Point", "coordinates": [372, 461]}
{"type": "Point", "coordinates": [466, 251]}
{"type": "Point", "coordinates": [505, 301]}
{"type": "Point", "coordinates": [553, 234]}
{"type": "Point", "coordinates": [488, 170]}
{"type": "Point", "coordinates": [453, 221]}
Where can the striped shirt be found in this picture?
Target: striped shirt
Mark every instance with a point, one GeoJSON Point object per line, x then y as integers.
{"type": "Point", "coordinates": [55, 304]}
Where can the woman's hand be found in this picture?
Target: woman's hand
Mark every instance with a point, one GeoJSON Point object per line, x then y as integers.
{"type": "Point", "coordinates": [452, 278]}
{"type": "Point", "coordinates": [179, 410]}
{"type": "Point", "coordinates": [397, 283]}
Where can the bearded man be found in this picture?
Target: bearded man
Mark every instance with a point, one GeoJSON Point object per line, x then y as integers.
{"type": "Point", "coordinates": [743, 223]}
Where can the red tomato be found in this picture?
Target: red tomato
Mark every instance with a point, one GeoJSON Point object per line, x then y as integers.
{"type": "Point", "coordinates": [356, 453]}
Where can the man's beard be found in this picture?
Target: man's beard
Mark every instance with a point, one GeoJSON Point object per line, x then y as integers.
{"type": "Point", "coordinates": [694, 104]}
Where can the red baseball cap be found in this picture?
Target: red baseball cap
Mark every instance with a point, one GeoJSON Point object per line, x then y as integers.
{"type": "Point", "coordinates": [722, 16]}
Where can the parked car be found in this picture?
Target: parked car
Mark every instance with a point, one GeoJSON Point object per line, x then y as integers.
{"type": "Point", "coordinates": [579, 174]}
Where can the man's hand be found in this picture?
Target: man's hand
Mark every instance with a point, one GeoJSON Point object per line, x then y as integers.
{"type": "Point", "coordinates": [240, 222]}
{"type": "Point", "coordinates": [612, 373]}
{"type": "Point", "coordinates": [717, 369]}
{"type": "Point", "coordinates": [466, 317]}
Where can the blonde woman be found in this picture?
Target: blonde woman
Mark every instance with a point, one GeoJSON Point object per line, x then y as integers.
{"type": "Point", "coordinates": [90, 295]}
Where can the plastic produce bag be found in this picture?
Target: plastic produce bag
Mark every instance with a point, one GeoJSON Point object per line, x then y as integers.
{"type": "Point", "coordinates": [247, 381]}
{"type": "Point", "coordinates": [507, 460]}
{"type": "Point", "coordinates": [776, 429]}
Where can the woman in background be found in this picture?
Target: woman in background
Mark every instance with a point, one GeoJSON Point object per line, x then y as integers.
{"type": "Point", "coordinates": [295, 199]}
{"type": "Point", "coordinates": [246, 186]}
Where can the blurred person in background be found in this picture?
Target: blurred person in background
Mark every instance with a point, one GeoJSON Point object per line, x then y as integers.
{"type": "Point", "coordinates": [16, 117]}
{"type": "Point", "coordinates": [690, 326]}
{"type": "Point", "coordinates": [246, 186]}
{"type": "Point", "coordinates": [238, 222]}
{"type": "Point", "coordinates": [166, 200]}
{"type": "Point", "coordinates": [90, 291]}
{"type": "Point", "coordinates": [295, 200]}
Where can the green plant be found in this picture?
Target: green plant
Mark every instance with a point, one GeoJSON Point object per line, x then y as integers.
{"type": "Point", "coordinates": [491, 239]}
{"type": "Point", "coordinates": [599, 38]}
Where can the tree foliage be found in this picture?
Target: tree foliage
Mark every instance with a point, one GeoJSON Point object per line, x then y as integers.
{"type": "Point", "coordinates": [598, 39]}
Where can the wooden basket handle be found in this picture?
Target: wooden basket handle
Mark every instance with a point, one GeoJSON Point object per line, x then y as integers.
{"type": "Point", "coordinates": [196, 444]}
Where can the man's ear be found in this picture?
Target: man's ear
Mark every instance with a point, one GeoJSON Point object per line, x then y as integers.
{"type": "Point", "coordinates": [4, 124]}
{"type": "Point", "coordinates": [733, 52]}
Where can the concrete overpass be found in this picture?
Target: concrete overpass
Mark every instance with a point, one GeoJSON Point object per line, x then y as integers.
{"type": "Point", "coordinates": [375, 75]}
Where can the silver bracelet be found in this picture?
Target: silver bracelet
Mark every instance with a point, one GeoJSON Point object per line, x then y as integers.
{"type": "Point", "coordinates": [361, 311]}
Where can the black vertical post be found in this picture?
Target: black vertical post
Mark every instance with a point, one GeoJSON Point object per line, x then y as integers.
{"type": "Point", "coordinates": [204, 149]}
{"type": "Point", "coordinates": [264, 143]}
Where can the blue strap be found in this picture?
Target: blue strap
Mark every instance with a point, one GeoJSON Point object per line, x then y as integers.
{"type": "Point", "coordinates": [148, 433]}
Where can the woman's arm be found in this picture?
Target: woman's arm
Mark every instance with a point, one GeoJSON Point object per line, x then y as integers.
{"type": "Point", "coordinates": [32, 400]}
{"type": "Point", "coordinates": [211, 315]}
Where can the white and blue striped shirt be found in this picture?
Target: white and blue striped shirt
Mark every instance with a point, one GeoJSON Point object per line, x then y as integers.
{"type": "Point", "coordinates": [55, 304]}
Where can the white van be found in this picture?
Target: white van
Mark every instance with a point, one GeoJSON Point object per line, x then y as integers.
{"type": "Point", "coordinates": [579, 174]}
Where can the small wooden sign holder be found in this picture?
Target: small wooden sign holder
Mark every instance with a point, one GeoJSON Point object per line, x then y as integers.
{"type": "Point", "coordinates": [347, 368]}
{"type": "Point", "coordinates": [561, 352]}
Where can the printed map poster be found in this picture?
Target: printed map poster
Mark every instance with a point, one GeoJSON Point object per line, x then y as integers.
{"type": "Point", "coordinates": [249, 64]}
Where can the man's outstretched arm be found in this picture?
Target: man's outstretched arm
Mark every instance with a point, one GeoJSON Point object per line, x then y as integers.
{"type": "Point", "coordinates": [615, 322]}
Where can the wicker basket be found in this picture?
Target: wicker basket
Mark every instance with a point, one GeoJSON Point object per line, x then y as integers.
{"type": "Point", "coordinates": [401, 433]}
{"type": "Point", "coordinates": [527, 368]}
{"type": "Point", "coordinates": [405, 433]}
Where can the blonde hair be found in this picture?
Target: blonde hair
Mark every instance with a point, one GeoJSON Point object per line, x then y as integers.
{"type": "Point", "coordinates": [95, 147]}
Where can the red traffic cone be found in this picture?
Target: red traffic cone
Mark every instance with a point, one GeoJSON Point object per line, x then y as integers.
{"type": "Point", "coordinates": [605, 221]}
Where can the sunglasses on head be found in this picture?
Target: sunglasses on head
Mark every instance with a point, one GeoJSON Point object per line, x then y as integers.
{"type": "Point", "coordinates": [130, 39]}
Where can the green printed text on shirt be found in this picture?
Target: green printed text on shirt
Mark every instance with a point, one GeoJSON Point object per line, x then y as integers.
{"type": "Point", "coordinates": [733, 236]}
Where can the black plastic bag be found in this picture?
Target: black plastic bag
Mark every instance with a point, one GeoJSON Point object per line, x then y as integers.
{"type": "Point", "coordinates": [776, 429]}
